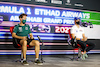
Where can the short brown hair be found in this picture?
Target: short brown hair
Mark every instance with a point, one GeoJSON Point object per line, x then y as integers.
{"type": "Point", "coordinates": [21, 15]}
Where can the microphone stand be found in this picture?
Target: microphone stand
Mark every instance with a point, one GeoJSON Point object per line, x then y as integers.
{"type": "Point", "coordinates": [74, 58]}
{"type": "Point", "coordinates": [41, 52]}
{"type": "Point", "coordinates": [41, 49]}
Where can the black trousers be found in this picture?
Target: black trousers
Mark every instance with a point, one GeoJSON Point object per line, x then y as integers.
{"type": "Point", "coordinates": [84, 43]}
{"type": "Point", "coordinates": [17, 41]}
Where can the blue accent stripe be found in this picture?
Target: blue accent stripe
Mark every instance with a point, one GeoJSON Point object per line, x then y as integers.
{"type": "Point", "coordinates": [46, 34]}
{"type": "Point", "coordinates": [45, 53]}
{"type": "Point", "coordinates": [43, 38]}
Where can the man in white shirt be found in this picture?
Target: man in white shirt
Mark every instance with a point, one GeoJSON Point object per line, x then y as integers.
{"type": "Point", "coordinates": [78, 32]}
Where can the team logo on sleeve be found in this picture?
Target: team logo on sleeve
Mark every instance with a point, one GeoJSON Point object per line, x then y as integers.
{"type": "Point", "coordinates": [14, 28]}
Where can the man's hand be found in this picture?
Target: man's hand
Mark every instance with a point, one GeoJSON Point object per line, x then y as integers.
{"type": "Point", "coordinates": [24, 38]}
{"type": "Point", "coordinates": [31, 36]}
{"type": "Point", "coordinates": [85, 39]}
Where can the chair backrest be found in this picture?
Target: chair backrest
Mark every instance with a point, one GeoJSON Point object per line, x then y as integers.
{"type": "Point", "coordinates": [69, 32]}
{"type": "Point", "coordinates": [11, 29]}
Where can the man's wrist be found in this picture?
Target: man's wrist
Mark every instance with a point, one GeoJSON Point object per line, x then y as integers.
{"type": "Point", "coordinates": [31, 38]}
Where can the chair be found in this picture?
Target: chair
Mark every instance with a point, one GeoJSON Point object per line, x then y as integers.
{"type": "Point", "coordinates": [73, 42]}
{"type": "Point", "coordinates": [18, 45]}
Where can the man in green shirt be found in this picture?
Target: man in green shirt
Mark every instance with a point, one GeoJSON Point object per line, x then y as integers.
{"type": "Point", "coordinates": [20, 32]}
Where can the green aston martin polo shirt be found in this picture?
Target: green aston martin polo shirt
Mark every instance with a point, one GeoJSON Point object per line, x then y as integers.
{"type": "Point", "coordinates": [22, 30]}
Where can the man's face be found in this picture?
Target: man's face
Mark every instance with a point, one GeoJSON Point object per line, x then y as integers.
{"type": "Point", "coordinates": [23, 18]}
{"type": "Point", "coordinates": [78, 20]}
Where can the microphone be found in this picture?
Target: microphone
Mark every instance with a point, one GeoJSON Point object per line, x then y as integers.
{"type": "Point", "coordinates": [39, 38]}
{"type": "Point", "coordinates": [74, 42]}
{"type": "Point", "coordinates": [75, 39]}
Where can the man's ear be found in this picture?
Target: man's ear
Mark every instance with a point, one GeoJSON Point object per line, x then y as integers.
{"type": "Point", "coordinates": [20, 19]}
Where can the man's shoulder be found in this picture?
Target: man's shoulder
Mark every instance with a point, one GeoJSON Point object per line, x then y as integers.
{"type": "Point", "coordinates": [26, 25]}
{"type": "Point", "coordinates": [74, 26]}
{"type": "Point", "coordinates": [16, 25]}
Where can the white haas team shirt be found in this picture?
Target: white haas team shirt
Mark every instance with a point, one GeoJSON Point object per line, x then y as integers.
{"type": "Point", "coordinates": [77, 31]}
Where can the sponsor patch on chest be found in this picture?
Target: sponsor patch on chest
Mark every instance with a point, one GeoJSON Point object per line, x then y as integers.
{"type": "Point", "coordinates": [26, 28]}
{"type": "Point", "coordinates": [80, 30]}
{"type": "Point", "coordinates": [20, 29]}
